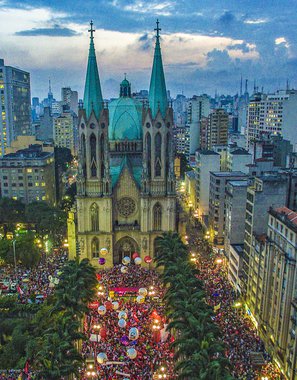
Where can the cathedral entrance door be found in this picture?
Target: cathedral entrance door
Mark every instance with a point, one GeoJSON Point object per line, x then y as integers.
{"type": "Point", "coordinates": [126, 246]}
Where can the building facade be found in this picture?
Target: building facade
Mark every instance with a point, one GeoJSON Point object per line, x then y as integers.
{"type": "Point", "coordinates": [126, 184]}
{"type": "Point", "coordinates": [15, 96]}
{"type": "Point", "coordinates": [206, 161]}
{"type": "Point", "coordinates": [28, 175]}
{"type": "Point", "coordinates": [65, 131]}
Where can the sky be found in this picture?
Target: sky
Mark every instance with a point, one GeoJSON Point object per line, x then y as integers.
{"type": "Point", "coordinates": [206, 44]}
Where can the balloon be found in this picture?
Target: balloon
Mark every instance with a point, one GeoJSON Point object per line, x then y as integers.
{"type": "Point", "coordinates": [142, 292]}
{"type": "Point", "coordinates": [56, 281]}
{"type": "Point", "coordinates": [115, 305]}
{"type": "Point", "coordinates": [133, 333]}
{"type": "Point", "coordinates": [135, 254]}
{"type": "Point", "coordinates": [137, 261]}
{"type": "Point", "coordinates": [122, 314]}
{"type": "Point", "coordinates": [124, 269]}
{"type": "Point", "coordinates": [140, 299]}
{"type": "Point", "coordinates": [103, 251]}
{"type": "Point", "coordinates": [125, 340]}
{"type": "Point", "coordinates": [148, 259]}
{"type": "Point", "coordinates": [50, 278]}
{"type": "Point", "coordinates": [122, 323]}
{"type": "Point", "coordinates": [101, 358]}
{"type": "Point", "coordinates": [108, 305]}
{"type": "Point", "coordinates": [101, 261]}
{"type": "Point", "coordinates": [132, 353]}
{"type": "Point", "coordinates": [126, 260]}
{"type": "Point", "coordinates": [102, 310]}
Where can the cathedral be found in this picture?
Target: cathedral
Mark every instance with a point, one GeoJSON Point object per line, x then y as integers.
{"type": "Point", "coordinates": [125, 184]}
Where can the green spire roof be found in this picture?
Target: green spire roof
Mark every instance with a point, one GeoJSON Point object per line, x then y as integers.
{"type": "Point", "coordinates": [92, 96]}
{"type": "Point", "coordinates": [158, 93]}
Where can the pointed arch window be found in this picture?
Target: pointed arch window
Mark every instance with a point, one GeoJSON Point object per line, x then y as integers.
{"type": "Point", "coordinates": [158, 144]}
{"type": "Point", "coordinates": [95, 247]}
{"type": "Point", "coordinates": [157, 217]}
{"type": "Point", "coordinates": [102, 147]}
{"type": "Point", "coordinates": [102, 170]}
{"type": "Point", "coordinates": [94, 212]}
{"type": "Point", "coordinates": [167, 157]}
{"type": "Point", "coordinates": [148, 144]}
{"type": "Point", "coordinates": [83, 153]}
{"type": "Point", "coordinates": [93, 155]}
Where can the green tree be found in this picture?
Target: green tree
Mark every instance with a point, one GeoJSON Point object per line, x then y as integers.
{"type": "Point", "coordinates": [11, 212]}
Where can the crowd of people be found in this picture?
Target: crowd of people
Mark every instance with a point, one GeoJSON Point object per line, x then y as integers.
{"type": "Point", "coordinates": [153, 343]}
{"type": "Point", "coordinates": [238, 333]}
{"type": "Point", "coordinates": [35, 284]}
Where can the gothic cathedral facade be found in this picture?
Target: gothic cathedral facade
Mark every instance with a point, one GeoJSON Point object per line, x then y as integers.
{"type": "Point", "coordinates": [125, 185]}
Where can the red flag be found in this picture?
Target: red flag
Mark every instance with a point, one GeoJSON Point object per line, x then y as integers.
{"type": "Point", "coordinates": [19, 290]}
{"type": "Point", "coordinates": [26, 368]}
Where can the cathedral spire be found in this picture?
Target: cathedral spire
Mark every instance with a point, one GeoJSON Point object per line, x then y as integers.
{"type": "Point", "coordinates": [92, 96]}
{"type": "Point", "coordinates": [157, 92]}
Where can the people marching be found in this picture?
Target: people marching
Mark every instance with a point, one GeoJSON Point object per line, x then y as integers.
{"type": "Point", "coordinates": [109, 334]}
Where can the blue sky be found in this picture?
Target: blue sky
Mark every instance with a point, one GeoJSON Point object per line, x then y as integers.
{"type": "Point", "coordinates": [206, 45]}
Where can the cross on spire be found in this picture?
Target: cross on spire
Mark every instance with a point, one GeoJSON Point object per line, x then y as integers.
{"type": "Point", "coordinates": [91, 30]}
{"type": "Point", "coordinates": [157, 29]}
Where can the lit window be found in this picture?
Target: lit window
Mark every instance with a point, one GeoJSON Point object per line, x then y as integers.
{"type": "Point", "coordinates": [36, 183]}
{"type": "Point", "coordinates": [42, 183]}
{"type": "Point", "coordinates": [29, 170]}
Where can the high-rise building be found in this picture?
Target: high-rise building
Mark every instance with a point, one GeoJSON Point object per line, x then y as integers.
{"type": "Point", "coordinates": [28, 175]}
{"type": "Point", "coordinates": [126, 184]}
{"type": "Point", "coordinates": [266, 191]}
{"type": "Point", "coordinates": [217, 133]}
{"type": "Point", "coordinates": [15, 95]}
{"type": "Point", "coordinates": [271, 293]}
{"type": "Point", "coordinates": [272, 113]}
{"type": "Point", "coordinates": [69, 98]}
{"type": "Point", "coordinates": [64, 131]}
{"type": "Point", "coordinates": [45, 131]}
{"type": "Point", "coordinates": [197, 107]}
{"type": "Point", "coordinates": [238, 159]}
{"type": "Point", "coordinates": [217, 212]}
{"type": "Point", "coordinates": [206, 161]}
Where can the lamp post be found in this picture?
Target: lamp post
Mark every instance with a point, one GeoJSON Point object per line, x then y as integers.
{"type": "Point", "coordinates": [14, 255]}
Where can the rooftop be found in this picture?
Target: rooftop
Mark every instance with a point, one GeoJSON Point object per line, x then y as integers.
{"type": "Point", "coordinates": [287, 214]}
{"type": "Point", "coordinates": [34, 151]}
{"type": "Point", "coordinates": [238, 248]}
{"type": "Point", "coordinates": [206, 152]}
{"type": "Point", "coordinates": [240, 152]}
{"type": "Point", "coordinates": [242, 183]}
{"type": "Point", "coordinates": [228, 174]}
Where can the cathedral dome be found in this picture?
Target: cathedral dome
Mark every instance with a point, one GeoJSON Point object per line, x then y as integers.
{"type": "Point", "coordinates": [125, 116]}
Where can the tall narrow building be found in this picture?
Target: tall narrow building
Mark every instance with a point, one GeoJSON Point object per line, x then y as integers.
{"type": "Point", "coordinates": [126, 184]}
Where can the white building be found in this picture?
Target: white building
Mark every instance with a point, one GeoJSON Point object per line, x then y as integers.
{"type": "Point", "coordinates": [206, 162]}
{"type": "Point", "coordinates": [197, 107]}
{"type": "Point", "coordinates": [272, 113]}
{"type": "Point", "coordinates": [238, 159]}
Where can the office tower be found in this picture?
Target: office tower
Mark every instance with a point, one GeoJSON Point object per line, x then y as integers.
{"type": "Point", "coordinates": [15, 95]}
{"type": "Point", "coordinates": [45, 131]}
{"type": "Point", "coordinates": [69, 98]}
{"type": "Point", "coordinates": [217, 133]}
{"type": "Point", "coordinates": [272, 113]}
{"type": "Point", "coordinates": [217, 189]}
{"type": "Point", "coordinates": [206, 161]}
{"type": "Point", "coordinates": [266, 191]}
{"type": "Point", "coordinates": [28, 175]}
{"type": "Point", "coordinates": [64, 131]}
{"type": "Point", "coordinates": [126, 185]}
{"type": "Point", "coordinates": [197, 107]}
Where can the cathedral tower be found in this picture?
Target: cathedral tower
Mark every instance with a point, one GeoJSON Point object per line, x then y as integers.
{"type": "Point", "coordinates": [126, 185]}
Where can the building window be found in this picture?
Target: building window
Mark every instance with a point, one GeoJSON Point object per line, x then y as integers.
{"type": "Point", "coordinates": [95, 248]}
{"type": "Point", "coordinates": [94, 211]}
{"type": "Point", "coordinates": [157, 217]}
{"type": "Point", "coordinates": [93, 155]}
{"type": "Point", "coordinates": [158, 144]}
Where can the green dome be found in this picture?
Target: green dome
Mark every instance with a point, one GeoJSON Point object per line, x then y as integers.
{"type": "Point", "coordinates": [125, 119]}
{"type": "Point", "coordinates": [125, 83]}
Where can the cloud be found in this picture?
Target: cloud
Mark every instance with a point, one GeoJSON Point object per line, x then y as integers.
{"type": "Point", "coordinates": [256, 21]}
{"type": "Point", "coordinates": [161, 8]}
{"type": "Point", "coordinates": [282, 41]}
{"type": "Point", "coordinates": [55, 31]}
{"type": "Point", "coordinates": [227, 18]}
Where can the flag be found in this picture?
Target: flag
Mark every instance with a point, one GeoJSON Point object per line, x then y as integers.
{"type": "Point", "coordinates": [19, 290]}
{"type": "Point", "coordinates": [217, 307]}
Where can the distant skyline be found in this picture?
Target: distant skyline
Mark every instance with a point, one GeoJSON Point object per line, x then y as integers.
{"type": "Point", "coordinates": [206, 45]}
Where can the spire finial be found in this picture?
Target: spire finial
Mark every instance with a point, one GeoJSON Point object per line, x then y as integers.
{"type": "Point", "coordinates": [125, 75]}
{"type": "Point", "coordinates": [157, 29]}
{"type": "Point", "coordinates": [91, 30]}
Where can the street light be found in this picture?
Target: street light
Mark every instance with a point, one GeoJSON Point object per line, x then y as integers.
{"type": "Point", "coordinates": [14, 255]}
